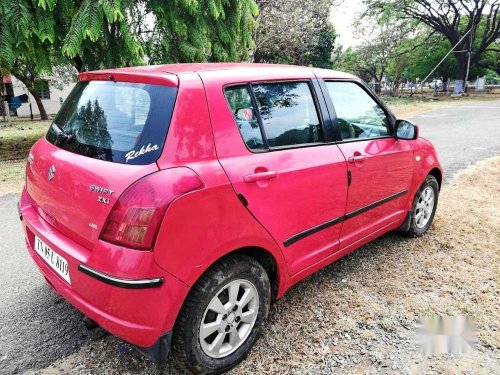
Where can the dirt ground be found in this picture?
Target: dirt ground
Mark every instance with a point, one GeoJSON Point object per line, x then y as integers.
{"type": "Point", "coordinates": [358, 315]}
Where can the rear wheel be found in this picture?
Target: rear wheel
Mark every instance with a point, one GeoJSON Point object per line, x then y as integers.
{"type": "Point", "coordinates": [222, 316]}
{"type": "Point", "coordinates": [424, 207]}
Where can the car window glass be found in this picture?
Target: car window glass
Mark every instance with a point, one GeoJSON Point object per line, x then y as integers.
{"type": "Point", "coordinates": [120, 122]}
{"type": "Point", "coordinates": [241, 106]}
{"type": "Point", "coordinates": [359, 116]}
{"type": "Point", "coordinates": [288, 113]}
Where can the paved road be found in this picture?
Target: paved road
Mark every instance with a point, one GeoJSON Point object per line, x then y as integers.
{"type": "Point", "coordinates": [37, 327]}
{"type": "Point", "coordinates": [462, 135]}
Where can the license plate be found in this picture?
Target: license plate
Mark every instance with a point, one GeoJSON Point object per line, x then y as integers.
{"type": "Point", "coordinates": [54, 260]}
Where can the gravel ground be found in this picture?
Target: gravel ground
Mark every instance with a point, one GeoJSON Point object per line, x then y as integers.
{"type": "Point", "coordinates": [358, 315]}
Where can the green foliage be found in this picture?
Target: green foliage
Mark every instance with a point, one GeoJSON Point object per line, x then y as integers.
{"type": "Point", "coordinates": [201, 30]}
{"type": "Point", "coordinates": [27, 36]}
{"type": "Point", "coordinates": [25, 32]}
{"type": "Point", "coordinates": [381, 54]}
{"type": "Point", "coordinates": [93, 34]}
{"type": "Point", "coordinates": [424, 54]}
{"type": "Point", "coordinates": [451, 20]}
{"type": "Point", "coordinates": [491, 60]}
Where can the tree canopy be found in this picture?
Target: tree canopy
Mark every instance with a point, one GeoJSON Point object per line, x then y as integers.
{"type": "Point", "coordinates": [452, 19]}
{"type": "Point", "coordinates": [94, 34]}
{"type": "Point", "coordinates": [294, 32]}
{"type": "Point", "coordinates": [38, 35]}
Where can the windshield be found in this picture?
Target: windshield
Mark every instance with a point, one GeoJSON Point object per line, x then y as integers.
{"type": "Point", "coordinates": [115, 121]}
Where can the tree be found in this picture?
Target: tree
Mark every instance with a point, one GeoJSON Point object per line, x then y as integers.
{"type": "Point", "coordinates": [453, 19]}
{"type": "Point", "coordinates": [24, 52]}
{"type": "Point", "coordinates": [203, 30]}
{"type": "Point", "coordinates": [37, 35]}
{"type": "Point", "coordinates": [491, 59]}
{"type": "Point", "coordinates": [425, 52]}
{"type": "Point", "coordinates": [380, 53]}
{"type": "Point", "coordinates": [368, 61]}
{"type": "Point", "coordinates": [95, 34]}
{"type": "Point", "coordinates": [294, 32]}
{"type": "Point", "coordinates": [121, 33]}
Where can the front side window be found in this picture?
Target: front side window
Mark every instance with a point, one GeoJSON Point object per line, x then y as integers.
{"type": "Point", "coordinates": [359, 116]}
{"type": "Point", "coordinates": [286, 111]}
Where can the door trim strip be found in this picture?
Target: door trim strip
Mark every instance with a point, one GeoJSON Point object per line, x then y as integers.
{"type": "Point", "coordinates": [340, 219]}
{"type": "Point", "coordinates": [308, 232]}
{"type": "Point", "coordinates": [375, 204]}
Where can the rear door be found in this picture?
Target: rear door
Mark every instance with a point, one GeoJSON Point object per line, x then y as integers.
{"type": "Point", "coordinates": [271, 141]}
{"type": "Point", "coordinates": [380, 166]}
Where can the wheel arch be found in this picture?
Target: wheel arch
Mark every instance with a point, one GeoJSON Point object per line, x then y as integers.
{"type": "Point", "coordinates": [264, 257]}
{"type": "Point", "coordinates": [436, 172]}
{"type": "Point", "coordinates": [267, 260]}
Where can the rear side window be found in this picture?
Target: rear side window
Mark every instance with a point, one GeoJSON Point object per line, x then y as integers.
{"type": "Point", "coordinates": [359, 116]}
{"type": "Point", "coordinates": [286, 114]}
{"type": "Point", "coordinates": [115, 121]}
{"type": "Point", "coordinates": [244, 113]}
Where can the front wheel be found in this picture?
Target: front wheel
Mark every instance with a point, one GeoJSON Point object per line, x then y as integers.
{"type": "Point", "coordinates": [222, 316]}
{"type": "Point", "coordinates": [424, 207]}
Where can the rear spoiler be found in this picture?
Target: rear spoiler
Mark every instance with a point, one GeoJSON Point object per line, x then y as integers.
{"type": "Point", "coordinates": [139, 76]}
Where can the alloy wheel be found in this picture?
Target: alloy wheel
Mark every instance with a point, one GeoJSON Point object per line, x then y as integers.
{"type": "Point", "coordinates": [229, 318]}
{"type": "Point", "coordinates": [424, 207]}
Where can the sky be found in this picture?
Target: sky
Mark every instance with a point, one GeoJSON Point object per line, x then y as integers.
{"type": "Point", "coordinates": [342, 17]}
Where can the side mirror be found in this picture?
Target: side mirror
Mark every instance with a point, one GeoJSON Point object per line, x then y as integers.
{"type": "Point", "coordinates": [406, 130]}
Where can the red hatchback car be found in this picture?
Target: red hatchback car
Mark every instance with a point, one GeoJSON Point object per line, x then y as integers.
{"type": "Point", "coordinates": [172, 204]}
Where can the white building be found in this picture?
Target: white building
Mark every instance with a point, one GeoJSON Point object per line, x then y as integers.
{"type": "Point", "coordinates": [52, 96]}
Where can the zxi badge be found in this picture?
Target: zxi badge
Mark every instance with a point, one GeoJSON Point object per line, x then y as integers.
{"type": "Point", "coordinates": [52, 171]}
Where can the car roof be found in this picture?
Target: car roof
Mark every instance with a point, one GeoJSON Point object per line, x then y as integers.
{"type": "Point", "coordinates": [177, 69]}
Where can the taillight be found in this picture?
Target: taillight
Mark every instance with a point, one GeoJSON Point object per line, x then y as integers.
{"type": "Point", "coordinates": [135, 218]}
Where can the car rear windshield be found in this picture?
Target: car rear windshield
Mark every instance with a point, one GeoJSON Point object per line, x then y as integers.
{"type": "Point", "coordinates": [115, 121]}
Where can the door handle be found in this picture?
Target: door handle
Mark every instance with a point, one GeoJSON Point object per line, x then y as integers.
{"type": "Point", "coordinates": [356, 158]}
{"type": "Point", "coordinates": [260, 176]}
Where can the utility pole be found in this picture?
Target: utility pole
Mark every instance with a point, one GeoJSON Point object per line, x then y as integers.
{"type": "Point", "coordinates": [469, 52]}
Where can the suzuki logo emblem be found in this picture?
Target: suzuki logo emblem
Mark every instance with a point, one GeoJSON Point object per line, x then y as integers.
{"type": "Point", "coordinates": [52, 171]}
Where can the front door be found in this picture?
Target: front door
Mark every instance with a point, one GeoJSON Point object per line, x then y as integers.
{"type": "Point", "coordinates": [380, 165]}
{"type": "Point", "coordinates": [270, 141]}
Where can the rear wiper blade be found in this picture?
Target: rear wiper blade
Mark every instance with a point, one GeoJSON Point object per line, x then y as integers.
{"type": "Point", "coordinates": [60, 132]}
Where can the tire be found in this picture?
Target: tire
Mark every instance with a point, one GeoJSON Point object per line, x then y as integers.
{"type": "Point", "coordinates": [417, 224]}
{"type": "Point", "coordinates": [190, 347]}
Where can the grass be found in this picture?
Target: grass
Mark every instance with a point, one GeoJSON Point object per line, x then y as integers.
{"type": "Point", "coordinates": [17, 139]}
{"type": "Point", "coordinates": [406, 107]}
{"type": "Point", "coordinates": [358, 315]}
{"type": "Point", "coordinates": [11, 176]}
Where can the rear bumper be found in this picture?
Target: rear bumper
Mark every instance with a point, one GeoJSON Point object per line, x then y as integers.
{"type": "Point", "coordinates": [121, 282]}
{"type": "Point", "coordinates": [122, 290]}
